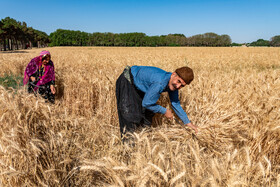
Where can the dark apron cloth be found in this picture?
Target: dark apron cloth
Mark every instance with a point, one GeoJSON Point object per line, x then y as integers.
{"type": "Point", "coordinates": [43, 90]}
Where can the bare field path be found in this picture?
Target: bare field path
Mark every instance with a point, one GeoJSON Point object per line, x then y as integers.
{"type": "Point", "coordinates": [234, 99]}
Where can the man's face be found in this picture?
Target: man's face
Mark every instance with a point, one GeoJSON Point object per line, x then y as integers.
{"type": "Point", "coordinates": [175, 82]}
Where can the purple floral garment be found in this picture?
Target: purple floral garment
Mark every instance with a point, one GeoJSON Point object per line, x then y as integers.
{"type": "Point", "coordinates": [33, 66]}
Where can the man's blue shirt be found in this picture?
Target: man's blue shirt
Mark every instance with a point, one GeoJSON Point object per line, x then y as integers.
{"type": "Point", "coordinates": [153, 81]}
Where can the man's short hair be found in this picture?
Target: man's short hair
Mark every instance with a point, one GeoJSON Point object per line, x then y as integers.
{"type": "Point", "coordinates": [186, 74]}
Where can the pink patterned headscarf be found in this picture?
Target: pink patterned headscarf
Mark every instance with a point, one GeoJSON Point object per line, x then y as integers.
{"type": "Point", "coordinates": [34, 65]}
{"type": "Point", "coordinates": [43, 53]}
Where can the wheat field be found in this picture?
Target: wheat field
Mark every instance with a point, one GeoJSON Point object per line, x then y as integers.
{"type": "Point", "coordinates": [234, 99]}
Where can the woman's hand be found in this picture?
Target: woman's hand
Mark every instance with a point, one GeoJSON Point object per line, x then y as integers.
{"type": "Point", "coordinates": [32, 79]}
{"type": "Point", "coordinates": [52, 89]}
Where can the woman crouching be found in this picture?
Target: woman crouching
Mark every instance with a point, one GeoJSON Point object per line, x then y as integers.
{"type": "Point", "coordinates": [40, 76]}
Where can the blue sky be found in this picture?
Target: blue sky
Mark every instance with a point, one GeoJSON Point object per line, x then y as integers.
{"type": "Point", "coordinates": [242, 20]}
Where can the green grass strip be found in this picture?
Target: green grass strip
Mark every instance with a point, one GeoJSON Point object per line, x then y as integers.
{"type": "Point", "coordinates": [11, 81]}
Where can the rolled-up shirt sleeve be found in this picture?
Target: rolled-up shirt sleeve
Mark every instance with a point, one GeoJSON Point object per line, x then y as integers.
{"type": "Point", "coordinates": [176, 106]}
{"type": "Point", "coordinates": [151, 97]}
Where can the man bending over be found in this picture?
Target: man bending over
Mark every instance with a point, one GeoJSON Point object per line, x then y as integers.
{"type": "Point", "coordinates": [139, 87]}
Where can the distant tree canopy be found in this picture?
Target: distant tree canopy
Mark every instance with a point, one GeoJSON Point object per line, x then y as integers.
{"type": "Point", "coordinates": [209, 39]}
{"type": "Point", "coordinates": [15, 35]}
{"type": "Point", "coordinates": [77, 38]}
{"type": "Point", "coordinates": [275, 41]}
{"type": "Point", "coordinates": [236, 44]}
{"type": "Point", "coordinates": [260, 42]}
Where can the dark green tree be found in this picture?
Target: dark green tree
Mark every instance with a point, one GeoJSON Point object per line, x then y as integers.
{"type": "Point", "coordinates": [9, 28]}
{"type": "Point", "coordinates": [15, 34]}
{"type": "Point", "coordinates": [224, 40]}
{"type": "Point", "coordinates": [260, 42]}
{"type": "Point", "coordinates": [275, 41]}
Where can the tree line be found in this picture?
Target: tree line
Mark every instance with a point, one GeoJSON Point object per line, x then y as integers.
{"type": "Point", "coordinates": [77, 38]}
{"type": "Point", "coordinates": [17, 35]}
{"type": "Point", "coordinates": [274, 41]}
